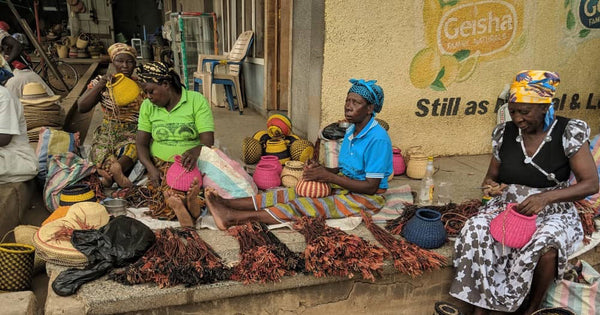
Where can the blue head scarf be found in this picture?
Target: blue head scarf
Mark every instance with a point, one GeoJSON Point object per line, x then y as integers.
{"type": "Point", "coordinates": [4, 75]}
{"type": "Point", "coordinates": [370, 91]}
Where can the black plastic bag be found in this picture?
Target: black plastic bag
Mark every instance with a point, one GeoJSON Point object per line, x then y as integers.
{"type": "Point", "coordinates": [121, 242]}
{"type": "Point", "coordinates": [334, 132]}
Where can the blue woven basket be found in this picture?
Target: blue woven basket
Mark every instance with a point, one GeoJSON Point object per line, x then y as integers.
{"type": "Point", "coordinates": [425, 229]}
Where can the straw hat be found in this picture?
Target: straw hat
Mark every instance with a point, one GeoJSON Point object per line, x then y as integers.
{"type": "Point", "coordinates": [60, 250]}
{"type": "Point", "coordinates": [34, 93]}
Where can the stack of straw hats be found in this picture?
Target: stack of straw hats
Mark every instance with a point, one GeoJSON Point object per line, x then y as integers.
{"type": "Point", "coordinates": [53, 240]}
{"type": "Point", "coordinates": [40, 109]}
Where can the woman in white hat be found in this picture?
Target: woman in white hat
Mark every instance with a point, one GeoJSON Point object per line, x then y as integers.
{"type": "Point", "coordinates": [113, 149]}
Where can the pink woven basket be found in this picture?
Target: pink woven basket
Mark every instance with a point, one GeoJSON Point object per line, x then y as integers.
{"type": "Point", "coordinates": [181, 179]}
{"type": "Point", "coordinates": [512, 228]}
{"type": "Point", "coordinates": [266, 176]}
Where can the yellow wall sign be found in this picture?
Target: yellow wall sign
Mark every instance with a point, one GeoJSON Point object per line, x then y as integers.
{"type": "Point", "coordinates": [459, 35]}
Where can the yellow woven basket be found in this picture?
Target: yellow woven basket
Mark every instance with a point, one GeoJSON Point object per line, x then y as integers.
{"type": "Point", "coordinates": [123, 90]}
{"type": "Point", "coordinates": [416, 162]}
{"type": "Point", "coordinates": [16, 266]}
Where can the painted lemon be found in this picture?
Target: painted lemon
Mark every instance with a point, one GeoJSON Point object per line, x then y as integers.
{"type": "Point", "coordinates": [424, 68]}
{"type": "Point", "coordinates": [451, 68]}
{"type": "Point", "coordinates": [467, 67]}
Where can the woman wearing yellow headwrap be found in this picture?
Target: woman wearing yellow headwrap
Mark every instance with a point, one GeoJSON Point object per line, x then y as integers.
{"type": "Point", "coordinates": [533, 157]}
{"type": "Point", "coordinates": [113, 148]}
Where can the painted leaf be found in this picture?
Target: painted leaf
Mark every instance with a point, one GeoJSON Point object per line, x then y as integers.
{"type": "Point", "coordinates": [584, 33]}
{"type": "Point", "coordinates": [570, 20]}
{"type": "Point", "coordinates": [567, 2]}
{"type": "Point", "coordinates": [462, 54]}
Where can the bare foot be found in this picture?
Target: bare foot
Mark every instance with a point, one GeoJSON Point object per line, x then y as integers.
{"type": "Point", "coordinates": [175, 203]}
{"type": "Point", "coordinates": [118, 176]}
{"type": "Point", "coordinates": [219, 212]}
{"type": "Point", "coordinates": [194, 202]}
{"type": "Point", "coordinates": [105, 177]}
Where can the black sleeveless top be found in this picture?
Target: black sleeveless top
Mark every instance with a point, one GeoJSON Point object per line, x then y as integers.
{"type": "Point", "coordinates": [551, 158]}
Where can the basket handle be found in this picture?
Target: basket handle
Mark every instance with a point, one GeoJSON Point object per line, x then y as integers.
{"type": "Point", "coordinates": [5, 235]}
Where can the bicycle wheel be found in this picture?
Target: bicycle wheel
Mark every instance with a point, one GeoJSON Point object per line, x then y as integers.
{"type": "Point", "coordinates": [68, 73]}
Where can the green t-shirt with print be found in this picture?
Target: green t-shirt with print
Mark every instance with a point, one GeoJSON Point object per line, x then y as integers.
{"type": "Point", "coordinates": [176, 131]}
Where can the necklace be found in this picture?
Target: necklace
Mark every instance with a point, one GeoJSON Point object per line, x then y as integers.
{"type": "Point", "coordinates": [529, 159]}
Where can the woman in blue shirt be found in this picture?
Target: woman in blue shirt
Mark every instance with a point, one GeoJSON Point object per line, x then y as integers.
{"type": "Point", "coordinates": [365, 163]}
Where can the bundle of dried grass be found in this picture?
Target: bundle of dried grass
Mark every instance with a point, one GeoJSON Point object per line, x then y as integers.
{"type": "Point", "coordinates": [263, 257]}
{"type": "Point", "coordinates": [408, 257]}
{"type": "Point", "coordinates": [332, 252]}
{"type": "Point", "coordinates": [179, 256]}
{"type": "Point", "coordinates": [586, 215]}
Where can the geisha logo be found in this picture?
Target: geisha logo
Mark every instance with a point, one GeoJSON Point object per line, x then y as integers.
{"type": "Point", "coordinates": [487, 27]}
{"type": "Point", "coordinates": [589, 13]}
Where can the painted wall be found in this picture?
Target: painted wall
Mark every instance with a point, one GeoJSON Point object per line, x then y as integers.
{"type": "Point", "coordinates": [443, 63]}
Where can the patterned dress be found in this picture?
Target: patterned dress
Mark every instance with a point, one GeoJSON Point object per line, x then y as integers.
{"type": "Point", "coordinates": [496, 277]}
{"type": "Point", "coordinates": [116, 135]}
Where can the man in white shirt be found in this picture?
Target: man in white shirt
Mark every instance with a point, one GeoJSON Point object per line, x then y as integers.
{"type": "Point", "coordinates": [18, 162]}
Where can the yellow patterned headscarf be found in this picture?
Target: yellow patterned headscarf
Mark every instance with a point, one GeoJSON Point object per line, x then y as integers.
{"type": "Point", "coordinates": [120, 48]}
{"type": "Point", "coordinates": [534, 86]}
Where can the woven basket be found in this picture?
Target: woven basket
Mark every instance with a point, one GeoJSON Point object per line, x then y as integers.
{"type": "Point", "coordinates": [312, 189]}
{"type": "Point", "coordinates": [302, 150]}
{"type": "Point", "coordinates": [416, 162]}
{"type": "Point", "coordinates": [425, 229]}
{"type": "Point", "coordinates": [266, 176]}
{"type": "Point", "coordinates": [73, 194]}
{"type": "Point", "coordinates": [291, 173]}
{"type": "Point", "coordinates": [16, 266]}
{"type": "Point", "coordinates": [251, 150]}
{"type": "Point", "coordinates": [278, 147]}
{"type": "Point", "coordinates": [123, 90]}
{"type": "Point", "coordinates": [512, 228]}
{"type": "Point", "coordinates": [383, 124]}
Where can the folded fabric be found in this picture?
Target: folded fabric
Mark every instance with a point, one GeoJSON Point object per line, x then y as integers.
{"type": "Point", "coordinates": [395, 199]}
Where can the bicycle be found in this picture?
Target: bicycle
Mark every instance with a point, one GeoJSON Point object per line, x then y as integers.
{"type": "Point", "coordinates": [67, 71]}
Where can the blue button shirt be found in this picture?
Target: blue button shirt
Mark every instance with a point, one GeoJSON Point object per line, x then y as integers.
{"type": "Point", "coordinates": [368, 155]}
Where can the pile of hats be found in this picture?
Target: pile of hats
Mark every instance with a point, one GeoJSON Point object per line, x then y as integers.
{"type": "Point", "coordinates": [53, 240]}
{"type": "Point", "coordinates": [277, 140]}
{"type": "Point", "coordinates": [40, 109]}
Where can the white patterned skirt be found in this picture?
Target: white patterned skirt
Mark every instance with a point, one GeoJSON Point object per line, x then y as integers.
{"type": "Point", "coordinates": [496, 277]}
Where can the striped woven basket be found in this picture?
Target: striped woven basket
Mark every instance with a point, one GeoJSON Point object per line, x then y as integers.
{"type": "Point", "coordinates": [312, 189]}
{"type": "Point", "coordinates": [16, 266]}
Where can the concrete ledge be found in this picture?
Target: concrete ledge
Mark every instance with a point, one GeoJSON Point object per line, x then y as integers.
{"type": "Point", "coordinates": [15, 199]}
{"type": "Point", "coordinates": [108, 297]}
{"type": "Point", "coordinates": [18, 303]}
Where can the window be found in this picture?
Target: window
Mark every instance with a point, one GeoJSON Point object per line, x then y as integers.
{"type": "Point", "coordinates": [238, 16]}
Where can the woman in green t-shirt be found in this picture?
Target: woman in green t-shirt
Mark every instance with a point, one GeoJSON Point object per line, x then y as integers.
{"type": "Point", "coordinates": [172, 121]}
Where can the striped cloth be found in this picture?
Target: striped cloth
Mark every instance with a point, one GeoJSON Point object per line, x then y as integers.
{"type": "Point", "coordinates": [582, 296]}
{"type": "Point", "coordinates": [64, 169]}
{"type": "Point", "coordinates": [284, 205]}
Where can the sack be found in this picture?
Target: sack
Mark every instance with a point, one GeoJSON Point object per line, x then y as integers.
{"type": "Point", "coordinates": [52, 142]}
{"type": "Point", "coordinates": [225, 175]}
{"type": "Point", "coordinates": [582, 297]}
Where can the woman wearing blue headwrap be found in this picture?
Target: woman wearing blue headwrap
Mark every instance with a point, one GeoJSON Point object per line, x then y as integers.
{"type": "Point", "coordinates": [365, 163]}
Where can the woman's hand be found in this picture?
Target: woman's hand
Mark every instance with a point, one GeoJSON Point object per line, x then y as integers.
{"type": "Point", "coordinates": [533, 204]}
{"type": "Point", "coordinates": [154, 176]}
{"type": "Point", "coordinates": [313, 171]}
{"type": "Point", "coordinates": [189, 158]}
{"type": "Point", "coordinates": [492, 188]}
